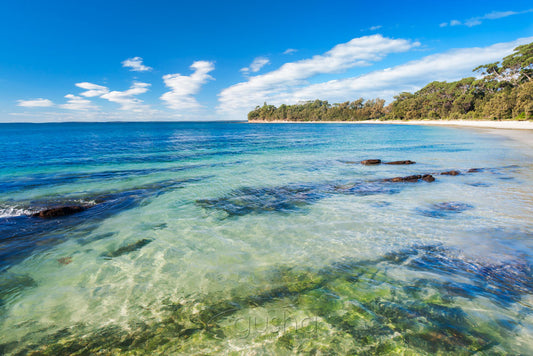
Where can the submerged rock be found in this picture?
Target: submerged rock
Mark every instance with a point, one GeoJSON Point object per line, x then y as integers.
{"type": "Point", "coordinates": [412, 179]}
{"type": "Point", "coordinates": [474, 170]}
{"type": "Point", "coordinates": [371, 162]}
{"type": "Point", "coordinates": [127, 249]}
{"type": "Point", "coordinates": [453, 206]}
{"type": "Point", "coordinates": [445, 209]}
{"type": "Point", "coordinates": [451, 173]}
{"type": "Point", "coordinates": [260, 200]}
{"type": "Point", "coordinates": [59, 212]}
{"type": "Point", "coordinates": [364, 189]}
{"type": "Point", "coordinates": [401, 162]}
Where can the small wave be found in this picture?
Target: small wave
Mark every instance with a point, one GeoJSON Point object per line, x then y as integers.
{"type": "Point", "coordinates": [13, 211]}
{"type": "Point", "coordinates": [8, 212]}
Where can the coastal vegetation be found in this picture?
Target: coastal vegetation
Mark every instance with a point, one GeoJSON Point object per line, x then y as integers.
{"type": "Point", "coordinates": [503, 91]}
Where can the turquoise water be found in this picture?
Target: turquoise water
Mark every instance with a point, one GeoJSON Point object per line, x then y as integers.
{"type": "Point", "coordinates": [263, 238]}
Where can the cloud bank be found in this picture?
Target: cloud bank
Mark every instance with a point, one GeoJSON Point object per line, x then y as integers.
{"type": "Point", "coordinates": [290, 76]}
{"type": "Point", "coordinates": [411, 76]}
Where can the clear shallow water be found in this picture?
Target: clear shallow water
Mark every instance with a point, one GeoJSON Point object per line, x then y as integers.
{"type": "Point", "coordinates": [220, 238]}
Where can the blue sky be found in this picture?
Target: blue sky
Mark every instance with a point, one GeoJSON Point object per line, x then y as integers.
{"type": "Point", "coordinates": [214, 60]}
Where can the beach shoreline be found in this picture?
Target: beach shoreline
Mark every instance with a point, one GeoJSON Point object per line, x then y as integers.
{"type": "Point", "coordinates": [520, 131]}
{"type": "Point", "coordinates": [504, 124]}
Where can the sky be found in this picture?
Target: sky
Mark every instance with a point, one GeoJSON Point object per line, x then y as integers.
{"type": "Point", "coordinates": [217, 60]}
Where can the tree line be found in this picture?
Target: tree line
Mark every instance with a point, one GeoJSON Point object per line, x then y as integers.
{"type": "Point", "coordinates": [503, 91]}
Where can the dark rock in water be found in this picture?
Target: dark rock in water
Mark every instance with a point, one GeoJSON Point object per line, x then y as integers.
{"type": "Point", "coordinates": [412, 179]}
{"type": "Point", "coordinates": [127, 249]}
{"type": "Point", "coordinates": [451, 173]}
{"type": "Point", "coordinates": [474, 170]}
{"type": "Point", "coordinates": [371, 162]}
{"type": "Point", "coordinates": [261, 200]}
{"type": "Point", "coordinates": [401, 162]}
{"type": "Point", "coordinates": [444, 210]}
{"type": "Point", "coordinates": [59, 212]}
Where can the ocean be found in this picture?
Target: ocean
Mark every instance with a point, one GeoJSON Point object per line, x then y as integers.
{"type": "Point", "coordinates": [220, 238]}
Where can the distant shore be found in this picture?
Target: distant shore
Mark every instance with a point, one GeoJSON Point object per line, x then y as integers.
{"type": "Point", "coordinates": [505, 124]}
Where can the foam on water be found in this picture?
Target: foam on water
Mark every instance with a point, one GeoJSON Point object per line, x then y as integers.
{"type": "Point", "coordinates": [262, 223]}
{"type": "Point", "coordinates": [12, 211]}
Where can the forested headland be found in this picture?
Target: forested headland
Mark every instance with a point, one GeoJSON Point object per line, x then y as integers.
{"type": "Point", "coordinates": [502, 91]}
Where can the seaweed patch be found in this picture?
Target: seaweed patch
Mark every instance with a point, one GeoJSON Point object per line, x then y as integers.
{"type": "Point", "coordinates": [134, 246]}
{"type": "Point", "coordinates": [348, 307]}
{"type": "Point", "coordinates": [260, 200]}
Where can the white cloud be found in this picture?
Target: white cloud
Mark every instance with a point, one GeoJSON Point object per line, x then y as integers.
{"type": "Point", "coordinates": [451, 65]}
{"type": "Point", "coordinates": [256, 65]}
{"type": "Point", "coordinates": [290, 51]}
{"type": "Point", "coordinates": [92, 89]}
{"type": "Point", "coordinates": [360, 51]}
{"type": "Point", "coordinates": [126, 98]}
{"type": "Point", "coordinates": [35, 103]}
{"type": "Point", "coordinates": [478, 20]}
{"type": "Point", "coordinates": [182, 87]}
{"type": "Point", "coordinates": [374, 28]}
{"type": "Point", "coordinates": [77, 103]}
{"type": "Point", "coordinates": [135, 64]}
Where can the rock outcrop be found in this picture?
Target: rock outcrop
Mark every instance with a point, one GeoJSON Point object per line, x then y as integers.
{"type": "Point", "coordinates": [450, 173]}
{"type": "Point", "coordinates": [412, 179]}
{"type": "Point", "coordinates": [401, 162]}
{"type": "Point", "coordinates": [59, 212]}
{"type": "Point", "coordinates": [371, 162]}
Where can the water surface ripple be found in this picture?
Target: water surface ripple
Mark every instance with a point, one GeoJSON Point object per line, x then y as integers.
{"type": "Point", "coordinates": [219, 238]}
